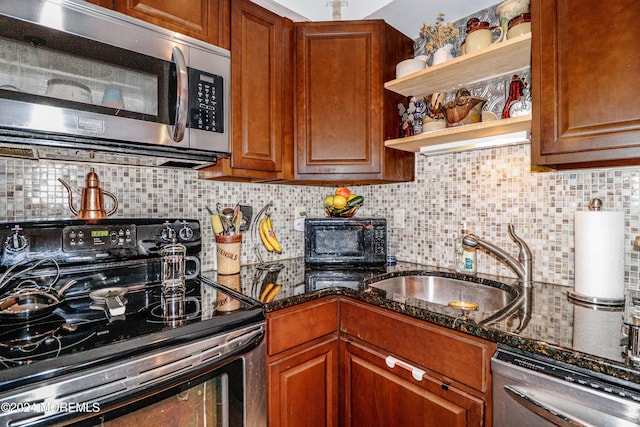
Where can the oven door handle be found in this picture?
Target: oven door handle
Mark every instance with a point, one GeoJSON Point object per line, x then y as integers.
{"type": "Point", "coordinates": [182, 95]}
{"type": "Point", "coordinates": [545, 410]}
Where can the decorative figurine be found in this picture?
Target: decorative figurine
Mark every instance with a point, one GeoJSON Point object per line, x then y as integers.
{"type": "Point", "coordinates": [516, 92]}
{"type": "Point", "coordinates": [464, 109]}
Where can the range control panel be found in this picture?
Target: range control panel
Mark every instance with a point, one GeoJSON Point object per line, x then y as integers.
{"type": "Point", "coordinates": [75, 241]}
{"type": "Point", "coordinates": [92, 237]}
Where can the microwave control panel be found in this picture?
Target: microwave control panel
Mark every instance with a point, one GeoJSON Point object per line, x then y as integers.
{"type": "Point", "coordinates": [206, 101]}
{"type": "Point", "coordinates": [380, 240]}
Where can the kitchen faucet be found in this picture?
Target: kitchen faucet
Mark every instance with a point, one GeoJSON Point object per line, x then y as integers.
{"type": "Point", "coordinates": [523, 266]}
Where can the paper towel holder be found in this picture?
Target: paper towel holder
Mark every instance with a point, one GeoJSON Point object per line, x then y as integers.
{"type": "Point", "coordinates": [595, 204]}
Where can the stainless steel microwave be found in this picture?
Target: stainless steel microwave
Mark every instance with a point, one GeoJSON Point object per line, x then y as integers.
{"type": "Point", "coordinates": [74, 73]}
{"type": "Point", "coordinates": [354, 241]}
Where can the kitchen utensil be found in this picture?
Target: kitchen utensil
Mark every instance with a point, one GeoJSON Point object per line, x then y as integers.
{"type": "Point", "coordinates": [237, 223]}
{"type": "Point", "coordinates": [29, 302]}
{"type": "Point", "coordinates": [112, 299]}
{"type": "Point", "coordinates": [92, 202]}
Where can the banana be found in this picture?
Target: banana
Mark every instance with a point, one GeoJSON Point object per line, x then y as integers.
{"type": "Point", "coordinates": [271, 236]}
{"type": "Point", "coordinates": [264, 234]}
{"type": "Point", "coordinates": [272, 293]}
{"type": "Point", "coordinates": [265, 291]}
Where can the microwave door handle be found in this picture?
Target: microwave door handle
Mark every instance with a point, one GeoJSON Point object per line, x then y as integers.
{"type": "Point", "coordinates": [182, 98]}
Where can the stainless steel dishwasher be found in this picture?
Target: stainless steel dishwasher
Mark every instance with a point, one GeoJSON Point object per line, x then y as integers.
{"type": "Point", "coordinates": [535, 392]}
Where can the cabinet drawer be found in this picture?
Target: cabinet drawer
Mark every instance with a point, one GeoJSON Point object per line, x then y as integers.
{"type": "Point", "coordinates": [454, 355]}
{"type": "Point", "coordinates": [297, 325]}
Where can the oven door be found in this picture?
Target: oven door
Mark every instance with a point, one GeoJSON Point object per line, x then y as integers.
{"type": "Point", "coordinates": [219, 380]}
{"type": "Point", "coordinates": [335, 243]}
{"type": "Point", "coordinates": [229, 396]}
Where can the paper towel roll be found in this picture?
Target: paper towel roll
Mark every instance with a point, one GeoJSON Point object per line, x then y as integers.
{"type": "Point", "coordinates": [599, 254]}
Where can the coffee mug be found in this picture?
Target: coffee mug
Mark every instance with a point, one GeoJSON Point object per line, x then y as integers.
{"type": "Point", "coordinates": [481, 37]}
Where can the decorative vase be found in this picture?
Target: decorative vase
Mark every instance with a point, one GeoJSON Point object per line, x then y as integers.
{"type": "Point", "coordinates": [509, 9]}
{"type": "Point", "coordinates": [441, 55]}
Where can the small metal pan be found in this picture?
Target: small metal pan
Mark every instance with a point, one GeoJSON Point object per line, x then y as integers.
{"type": "Point", "coordinates": [32, 302]}
{"type": "Point", "coordinates": [111, 298]}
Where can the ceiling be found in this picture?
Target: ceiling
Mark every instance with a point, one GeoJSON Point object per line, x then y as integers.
{"type": "Point", "coordinates": [405, 15]}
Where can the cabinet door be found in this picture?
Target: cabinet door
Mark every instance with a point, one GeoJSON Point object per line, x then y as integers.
{"type": "Point", "coordinates": [585, 83]}
{"type": "Point", "coordinates": [376, 395]}
{"type": "Point", "coordinates": [206, 20]}
{"type": "Point", "coordinates": [337, 123]}
{"type": "Point", "coordinates": [261, 90]}
{"type": "Point", "coordinates": [257, 87]}
{"type": "Point", "coordinates": [303, 387]}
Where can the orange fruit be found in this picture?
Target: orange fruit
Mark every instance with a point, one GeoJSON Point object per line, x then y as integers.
{"type": "Point", "coordinates": [343, 191]}
{"type": "Point", "coordinates": [339, 201]}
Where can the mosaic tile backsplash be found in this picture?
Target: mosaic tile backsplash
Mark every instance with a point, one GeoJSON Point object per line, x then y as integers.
{"type": "Point", "coordinates": [486, 189]}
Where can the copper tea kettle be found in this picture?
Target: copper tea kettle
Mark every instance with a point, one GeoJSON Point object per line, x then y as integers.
{"type": "Point", "coordinates": [92, 202]}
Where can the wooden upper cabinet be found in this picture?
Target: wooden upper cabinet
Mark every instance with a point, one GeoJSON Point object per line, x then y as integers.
{"type": "Point", "coordinates": [343, 113]}
{"type": "Point", "coordinates": [207, 20]}
{"type": "Point", "coordinates": [261, 93]}
{"type": "Point", "coordinates": [585, 83]}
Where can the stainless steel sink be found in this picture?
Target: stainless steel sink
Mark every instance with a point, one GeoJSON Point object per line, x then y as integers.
{"type": "Point", "coordinates": [448, 291]}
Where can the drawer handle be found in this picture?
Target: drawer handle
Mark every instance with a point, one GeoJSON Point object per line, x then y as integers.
{"type": "Point", "coordinates": [416, 373]}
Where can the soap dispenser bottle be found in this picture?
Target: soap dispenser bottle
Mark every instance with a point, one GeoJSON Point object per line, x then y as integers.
{"type": "Point", "coordinates": [465, 258]}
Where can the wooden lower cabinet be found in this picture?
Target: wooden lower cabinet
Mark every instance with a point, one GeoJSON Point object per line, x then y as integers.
{"type": "Point", "coordinates": [327, 366]}
{"type": "Point", "coordinates": [302, 364]}
{"type": "Point", "coordinates": [303, 387]}
{"type": "Point", "coordinates": [376, 395]}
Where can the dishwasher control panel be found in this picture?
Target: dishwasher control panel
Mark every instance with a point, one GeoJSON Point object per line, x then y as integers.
{"type": "Point", "coordinates": [556, 370]}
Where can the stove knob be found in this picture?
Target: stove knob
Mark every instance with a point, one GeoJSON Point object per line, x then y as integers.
{"type": "Point", "coordinates": [16, 242]}
{"type": "Point", "coordinates": [168, 234]}
{"type": "Point", "coordinates": [186, 232]}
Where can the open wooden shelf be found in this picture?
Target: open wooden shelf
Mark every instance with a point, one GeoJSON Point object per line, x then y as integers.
{"type": "Point", "coordinates": [460, 133]}
{"type": "Point", "coordinates": [496, 60]}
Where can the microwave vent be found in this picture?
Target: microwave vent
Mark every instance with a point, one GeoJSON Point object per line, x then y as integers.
{"type": "Point", "coordinates": [20, 152]}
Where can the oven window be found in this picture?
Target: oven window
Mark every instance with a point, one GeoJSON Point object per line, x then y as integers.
{"type": "Point", "coordinates": [43, 66]}
{"type": "Point", "coordinates": [339, 241]}
{"type": "Point", "coordinates": [215, 402]}
{"type": "Point", "coordinates": [38, 70]}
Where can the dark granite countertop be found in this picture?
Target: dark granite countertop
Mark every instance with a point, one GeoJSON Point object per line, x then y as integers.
{"type": "Point", "coordinates": [544, 321]}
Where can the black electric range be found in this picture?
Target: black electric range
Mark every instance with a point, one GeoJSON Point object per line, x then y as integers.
{"type": "Point", "coordinates": [82, 333]}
